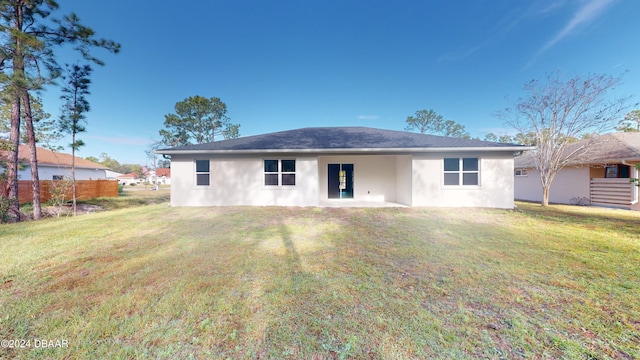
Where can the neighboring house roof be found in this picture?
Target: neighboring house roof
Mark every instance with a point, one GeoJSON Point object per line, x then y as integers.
{"type": "Point", "coordinates": [128, 176]}
{"type": "Point", "coordinates": [52, 158]}
{"type": "Point", "coordinates": [163, 172]}
{"type": "Point", "coordinates": [335, 139]}
{"type": "Point", "coordinates": [159, 172]}
{"type": "Point", "coordinates": [603, 149]}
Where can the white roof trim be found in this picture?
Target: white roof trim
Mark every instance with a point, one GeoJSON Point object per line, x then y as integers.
{"type": "Point", "coordinates": [348, 150]}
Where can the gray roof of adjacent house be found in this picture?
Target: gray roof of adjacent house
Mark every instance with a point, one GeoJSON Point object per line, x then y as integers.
{"type": "Point", "coordinates": [604, 149]}
{"type": "Point", "coordinates": [335, 139]}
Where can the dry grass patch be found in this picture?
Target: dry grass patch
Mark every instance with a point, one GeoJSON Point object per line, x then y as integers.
{"type": "Point", "coordinates": [158, 282]}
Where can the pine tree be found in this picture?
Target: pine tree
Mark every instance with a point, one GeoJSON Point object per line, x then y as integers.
{"type": "Point", "coordinates": [27, 64]}
{"type": "Point", "coordinates": [73, 113]}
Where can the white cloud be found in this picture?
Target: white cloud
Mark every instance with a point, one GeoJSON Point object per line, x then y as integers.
{"type": "Point", "coordinates": [590, 11]}
{"type": "Point", "coordinates": [368, 117]}
{"type": "Point", "coordinates": [504, 27]}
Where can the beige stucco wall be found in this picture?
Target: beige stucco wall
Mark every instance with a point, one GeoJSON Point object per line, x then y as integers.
{"type": "Point", "coordinates": [415, 180]}
{"type": "Point", "coordinates": [240, 181]}
{"type": "Point", "coordinates": [404, 187]}
{"type": "Point", "coordinates": [495, 189]}
{"type": "Point", "coordinates": [570, 182]}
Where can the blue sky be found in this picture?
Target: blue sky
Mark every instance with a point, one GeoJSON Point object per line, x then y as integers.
{"type": "Point", "coordinates": [287, 64]}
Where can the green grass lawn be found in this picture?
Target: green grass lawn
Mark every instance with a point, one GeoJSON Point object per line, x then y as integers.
{"type": "Point", "coordinates": [317, 283]}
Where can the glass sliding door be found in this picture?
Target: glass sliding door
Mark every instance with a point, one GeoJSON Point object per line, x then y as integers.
{"type": "Point", "coordinates": [340, 181]}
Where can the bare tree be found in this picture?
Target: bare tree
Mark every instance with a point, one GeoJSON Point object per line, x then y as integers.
{"type": "Point", "coordinates": [557, 113]}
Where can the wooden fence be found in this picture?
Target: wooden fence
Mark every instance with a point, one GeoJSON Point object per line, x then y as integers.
{"type": "Point", "coordinates": [85, 189]}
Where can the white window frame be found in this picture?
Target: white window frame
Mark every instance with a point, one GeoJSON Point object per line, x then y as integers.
{"type": "Point", "coordinates": [461, 172]}
{"type": "Point", "coordinates": [279, 173]}
{"type": "Point", "coordinates": [196, 173]}
{"type": "Point", "coordinates": [520, 172]}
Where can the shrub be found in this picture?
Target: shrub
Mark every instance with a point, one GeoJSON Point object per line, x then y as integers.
{"type": "Point", "coordinates": [580, 201]}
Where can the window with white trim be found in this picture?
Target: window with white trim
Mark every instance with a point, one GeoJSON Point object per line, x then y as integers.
{"type": "Point", "coordinates": [279, 172]}
{"type": "Point", "coordinates": [521, 172]}
{"type": "Point", "coordinates": [203, 173]}
{"type": "Point", "coordinates": [461, 172]}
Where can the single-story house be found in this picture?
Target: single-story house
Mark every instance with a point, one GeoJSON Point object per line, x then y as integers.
{"type": "Point", "coordinates": [337, 166]}
{"type": "Point", "coordinates": [112, 175]}
{"type": "Point", "coordinates": [598, 174]}
{"type": "Point", "coordinates": [160, 176]}
{"type": "Point", "coordinates": [128, 179]}
{"type": "Point", "coordinates": [57, 166]}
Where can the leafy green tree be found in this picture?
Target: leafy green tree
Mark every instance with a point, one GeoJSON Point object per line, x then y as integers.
{"type": "Point", "coordinates": [430, 122]}
{"type": "Point", "coordinates": [131, 168]}
{"type": "Point", "coordinates": [164, 163]}
{"type": "Point", "coordinates": [555, 113]}
{"type": "Point", "coordinates": [198, 120]}
{"type": "Point", "coordinates": [72, 119]}
{"type": "Point", "coordinates": [110, 162]}
{"type": "Point", "coordinates": [505, 139]}
{"type": "Point", "coordinates": [519, 138]}
{"type": "Point", "coordinates": [491, 137]}
{"type": "Point", "coordinates": [113, 164]}
{"type": "Point", "coordinates": [630, 123]}
{"type": "Point", "coordinates": [425, 122]}
{"type": "Point", "coordinates": [453, 129]}
{"type": "Point", "coordinates": [27, 63]}
{"type": "Point", "coordinates": [525, 138]}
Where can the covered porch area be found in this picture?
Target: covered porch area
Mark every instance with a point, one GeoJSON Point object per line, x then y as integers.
{"type": "Point", "coordinates": [380, 180]}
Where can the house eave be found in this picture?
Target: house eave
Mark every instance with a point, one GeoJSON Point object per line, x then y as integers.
{"type": "Point", "coordinates": [347, 150]}
{"type": "Point", "coordinates": [60, 166]}
{"type": "Point", "coordinates": [601, 162]}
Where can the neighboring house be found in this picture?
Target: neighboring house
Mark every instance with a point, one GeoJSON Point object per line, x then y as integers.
{"type": "Point", "coordinates": [112, 175]}
{"type": "Point", "coordinates": [599, 175]}
{"type": "Point", "coordinates": [128, 179]}
{"type": "Point", "coordinates": [343, 165]}
{"type": "Point", "coordinates": [56, 166]}
{"type": "Point", "coordinates": [160, 176]}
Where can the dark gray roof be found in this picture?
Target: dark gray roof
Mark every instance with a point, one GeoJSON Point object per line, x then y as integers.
{"type": "Point", "coordinates": [349, 138]}
{"type": "Point", "coordinates": [608, 148]}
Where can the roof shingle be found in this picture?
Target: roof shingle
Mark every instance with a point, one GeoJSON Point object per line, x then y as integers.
{"type": "Point", "coordinates": [603, 149]}
{"type": "Point", "coordinates": [323, 138]}
{"type": "Point", "coordinates": [48, 157]}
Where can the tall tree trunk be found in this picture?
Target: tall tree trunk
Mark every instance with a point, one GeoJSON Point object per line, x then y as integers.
{"type": "Point", "coordinates": [73, 173]}
{"type": "Point", "coordinates": [12, 162]}
{"type": "Point", "coordinates": [35, 178]}
{"type": "Point", "coordinates": [545, 195]}
{"type": "Point", "coordinates": [14, 134]}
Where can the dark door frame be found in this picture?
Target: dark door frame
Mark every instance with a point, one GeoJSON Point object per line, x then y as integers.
{"type": "Point", "coordinates": [337, 187]}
